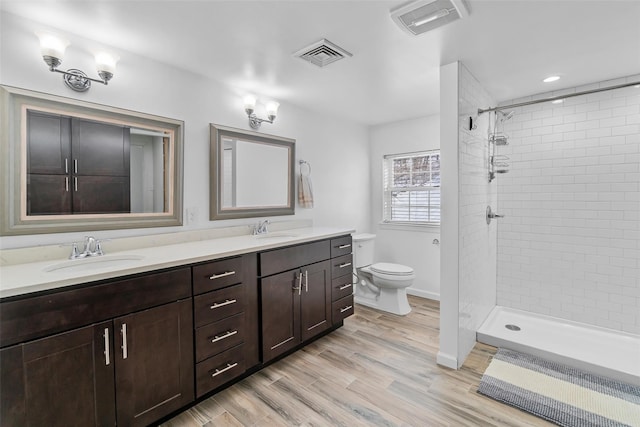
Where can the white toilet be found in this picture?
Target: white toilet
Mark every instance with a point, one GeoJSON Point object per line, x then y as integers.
{"type": "Point", "coordinates": [381, 285]}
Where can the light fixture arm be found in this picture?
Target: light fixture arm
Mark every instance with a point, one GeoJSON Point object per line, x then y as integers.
{"type": "Point", "coordinates": [255, 121]}
{"type": "Point", "coordinates": [73, 72]}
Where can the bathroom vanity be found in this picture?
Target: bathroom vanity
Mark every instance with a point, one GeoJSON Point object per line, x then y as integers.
{"type": "Point", "coordinates": [132, 345]}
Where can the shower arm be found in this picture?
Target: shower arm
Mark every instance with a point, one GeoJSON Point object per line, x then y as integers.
{"type": "Point", "coordinates": [554, 98]}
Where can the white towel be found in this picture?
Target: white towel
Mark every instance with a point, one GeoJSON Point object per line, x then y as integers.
{"type": "Point", "coordinates": [305, 192]}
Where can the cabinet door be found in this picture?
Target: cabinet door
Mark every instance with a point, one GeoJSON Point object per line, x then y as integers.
{"type": "Point", "coordinates": [154, 363]}
{"type": "Point", "coordinates": [62, 380]}
{"type": "Point", "coordinates": [101, 194]}
{"type": "Point", "coordinates": [280, 296]}
{"type": "Point", "coordinates": [100, 148]}
{"type": "Point", "coordinates": [315, 301]}
{"type": "Point", "coordinates": [48, 143]}
{"type": "Point", "coordinates": [48, 195]}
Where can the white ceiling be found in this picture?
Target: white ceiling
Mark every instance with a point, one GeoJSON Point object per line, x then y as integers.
{"type": "Point", "coordinates": [508, 45]}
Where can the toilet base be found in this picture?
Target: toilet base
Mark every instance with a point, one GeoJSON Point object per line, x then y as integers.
{"type": "Point", "coordinates": [390, 300]}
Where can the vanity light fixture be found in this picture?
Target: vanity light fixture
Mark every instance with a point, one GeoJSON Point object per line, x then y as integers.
{"type": "Point", "coordinates": [255, 121]}
{"type": "Point", "coordinates": [52, 49]}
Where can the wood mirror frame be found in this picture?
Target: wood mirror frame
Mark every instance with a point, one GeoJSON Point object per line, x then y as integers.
{"type": "Point", "coordinates": [217, 211]}
{"type": "Point", "coordinates": [14, 104]}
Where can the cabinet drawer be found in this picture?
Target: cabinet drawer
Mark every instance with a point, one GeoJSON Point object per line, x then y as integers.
{"type": "Point", "coordinates": [217, 305]}
{"type": "Point", "coordinates": [341, 287]}
{"type": "Point", "coordinates": [219, 369]}
{"type": "Point", "coordinates": [342, 308]}
{"type": "Point", "coordinates": [219, 336]}
{"type": "Point", "coordinates": [342, 266]}
{"type": "Point", "coordinates": [341, 246]}
{"type": "Point", "coordinates": [278, 260]}
{"type": "Point", "coordinates": [216, 275]}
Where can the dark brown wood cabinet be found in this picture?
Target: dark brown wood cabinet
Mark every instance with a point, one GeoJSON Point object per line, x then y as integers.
{"type": "Point", "coordinates": [76, 166]}
{"type": "Point", "coordinates": [296, 304]}
{"type": "Point", "coordinates": [226, 320]}
{"type": "Point", "coordinates": [342, 305]}
{"type": "Point", "coordinates": [134, 367]}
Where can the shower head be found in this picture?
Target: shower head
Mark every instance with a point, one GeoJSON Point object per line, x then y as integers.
{"type": "Point", "coordinates": [506, 116]}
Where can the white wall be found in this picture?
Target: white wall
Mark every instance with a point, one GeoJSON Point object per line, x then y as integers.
{"type": "Point", "coordinates": [569, 245]}
{"type": "Point", "coordinates": [330, 144]}
{"type": "Point", "coordinates": [468, 263]}
{"type": "Point", "coordinates": [407, 245]}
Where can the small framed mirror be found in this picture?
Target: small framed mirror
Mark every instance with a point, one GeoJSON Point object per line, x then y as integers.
{"type": "Point", "coordinates": [70, 165]}
{"type": "Point", "coordinates": [252, 174]}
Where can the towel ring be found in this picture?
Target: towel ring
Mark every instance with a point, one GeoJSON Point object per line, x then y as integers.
{"type": "Point", "coordinates": [302, 163]}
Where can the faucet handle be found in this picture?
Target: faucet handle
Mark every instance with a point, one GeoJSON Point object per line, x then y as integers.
{"type": "Point", "coordinates": [98, 246]}
{"type": "Point", "coordinates": [74, 249]}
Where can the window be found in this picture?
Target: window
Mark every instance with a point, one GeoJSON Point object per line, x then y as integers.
{"type": "Point", "coordinates": [412, 188]}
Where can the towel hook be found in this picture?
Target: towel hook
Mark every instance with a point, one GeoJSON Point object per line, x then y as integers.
{"type": "Point", "coordinates": [304, 162]}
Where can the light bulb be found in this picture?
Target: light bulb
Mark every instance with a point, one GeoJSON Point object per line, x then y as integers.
{"type": "Point", "coordinates": [249, 102]}
{"type": "Point", "coordinates": [106, 62]}
{"type": "Point", "coordinates": [51, 45]}
{"type": "Point", "coordinates": [430, 18]}
{"type": "Point", "coordinates": [272, 109]}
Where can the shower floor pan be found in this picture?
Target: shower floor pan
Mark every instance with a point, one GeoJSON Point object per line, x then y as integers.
{"type": "Point", "coordinates": [598, 350]}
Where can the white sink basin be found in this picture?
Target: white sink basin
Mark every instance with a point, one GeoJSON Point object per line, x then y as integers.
{"type": "Point", "coordinates": [92, 263]}
{"type": "Point", "coordinates": [274, 235]}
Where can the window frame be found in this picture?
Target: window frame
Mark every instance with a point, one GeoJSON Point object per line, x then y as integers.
{"type": "Point", "coordinates": [388, 190]}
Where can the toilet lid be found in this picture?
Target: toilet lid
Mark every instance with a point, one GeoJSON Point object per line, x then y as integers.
{"type": "Point", "coordinates": [391, 269]}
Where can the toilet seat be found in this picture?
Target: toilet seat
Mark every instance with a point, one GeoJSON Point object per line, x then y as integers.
{"type": "Point", "coordinates": [389, 269]}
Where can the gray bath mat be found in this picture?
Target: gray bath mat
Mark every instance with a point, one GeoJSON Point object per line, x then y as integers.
{"type": "Point", "coordinates": [559, 393]}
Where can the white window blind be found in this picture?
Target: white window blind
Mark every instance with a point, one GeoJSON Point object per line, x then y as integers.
{"type": "Point", "coordinates": [412, 188]}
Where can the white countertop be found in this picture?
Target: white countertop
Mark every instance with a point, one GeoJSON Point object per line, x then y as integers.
{"type": "Point", "coordinates": [20, 279]}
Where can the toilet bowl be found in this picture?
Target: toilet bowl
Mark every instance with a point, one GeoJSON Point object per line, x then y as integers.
{"type": "Point", "coordinates": [380, 285]}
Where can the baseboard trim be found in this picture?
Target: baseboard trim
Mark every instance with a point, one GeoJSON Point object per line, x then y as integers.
{"type": "Point", "coordinates": [423, 294]}
{"type": "Point", "coordinates": [447, 360]}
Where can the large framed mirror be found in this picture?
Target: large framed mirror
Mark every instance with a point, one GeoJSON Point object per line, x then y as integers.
{"type": "Point", "coordinates": [70, 165]}
{"type": "Point", "coordinates": [252, 174]}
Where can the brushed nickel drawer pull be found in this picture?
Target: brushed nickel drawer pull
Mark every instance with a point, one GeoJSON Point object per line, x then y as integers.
{"type": "Point", "coordinates": [349, 307]}
{"type": "Point", "coordinates": [125, 352]}
{"type": "Point", "coordinates": [346, 264]}
{"type": "Point", "coordinates": [66, 184]}
{"type": "Point", "coordinates": [222, 304]}
{"type": "Point", "coordinates": [221, 337]}
{"type": "Point", "coordinates": [107, 359]}
{"type": "Point", "coordinates": [342, 288]}
{"type": "Point", "coordinates": [299, 287]}
{"type": "Point", "coordinates": [220, 371]}
{"type": "Point", "coordinates": [344, 246]}
{"type": "Point", "coordinates": [225, 274]}
{"type": "Point", "coordinates": [306, 281]}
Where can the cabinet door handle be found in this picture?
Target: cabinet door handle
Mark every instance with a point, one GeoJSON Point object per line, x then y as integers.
{"type": "Point", "coordinates": [66, 184]}
{"type": "Point", "coordinates": [346, 264]}
{"type": "Point", "coordinates": [222, 304]}
{"type": "Point", "coordinates": [75, 165]}
{"type": "Point", "coordinates": [125, 352]}
{"type": "Point", "coordinates": [306, 281]}
{"type": "Point", "coordinates": [220, 371]}
{"type": "Point", "coordinates": [349, 307]}
{"type": "Point", "coordinates": [299, 287]}
{"type": "Point", "coordinates": [225, 274]}
{"type": "Point", "coordinates": [66, 165]}
{"type": "Point", "coordinates": [342, 288]}
{"type": "Point", "coordinates": [75, 183]}
{"type": "Point", "coordinates": [344, 246]}
{"type": "Point", "coordinates": [107, 359]}
{"type": "Point", "coordinates": [223, 336]}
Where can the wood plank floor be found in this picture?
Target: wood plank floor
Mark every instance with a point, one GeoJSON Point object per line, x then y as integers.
{"type": "Point", "coordinates": [377, 370]}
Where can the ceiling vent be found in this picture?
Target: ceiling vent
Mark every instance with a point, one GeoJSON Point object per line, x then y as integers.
{"type": "Point", "coordinates": [420, 16]}
{"type": "Point", "coordinates": [322, 53]}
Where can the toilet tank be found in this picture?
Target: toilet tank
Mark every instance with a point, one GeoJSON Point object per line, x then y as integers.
{"type": "Point", "coordinates": [363, 245]}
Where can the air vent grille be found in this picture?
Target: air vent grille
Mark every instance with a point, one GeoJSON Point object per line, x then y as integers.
{"type": "Point", "coordinates": [322, 53]}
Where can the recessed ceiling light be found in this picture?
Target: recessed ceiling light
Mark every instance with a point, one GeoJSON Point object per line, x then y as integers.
{"type": "Point", "coordinates": [557, 101]}
{"type": "Point", "coordinates": [551, 79]}
{"type": "Point", "coordinates": [637, 86]}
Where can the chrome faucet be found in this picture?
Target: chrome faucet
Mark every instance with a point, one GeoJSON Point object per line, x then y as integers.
{"type": "Point", "coordinates": [92, 247]}
{"type": "Point", "coordinates": [261, 228]}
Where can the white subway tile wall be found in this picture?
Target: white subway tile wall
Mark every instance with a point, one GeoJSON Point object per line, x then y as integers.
{"type": "Point", "coordinates": [477, 241]}
{"type": "Point", "coordinates": [569, 245]}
